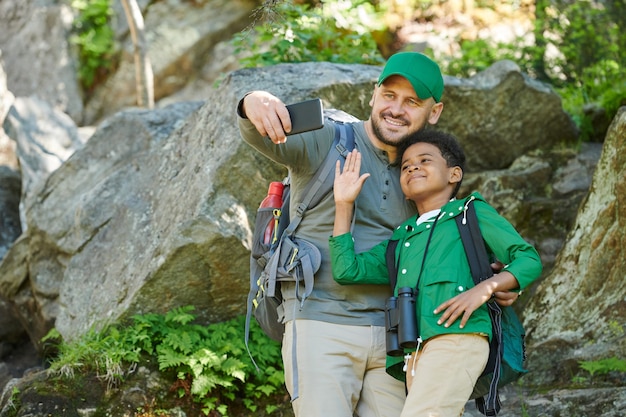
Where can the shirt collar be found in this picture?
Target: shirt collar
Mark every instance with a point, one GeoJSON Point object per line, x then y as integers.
{"type": "Point", "coordinates": [428, 217]}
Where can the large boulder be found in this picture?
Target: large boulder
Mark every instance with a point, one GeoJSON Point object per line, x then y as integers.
{"type": "Point", "coordinates": [45, 138]}
{"type": "Point", "coordinates": [81, 236]}
{"type": "Point", "coordinates": [514, 115]}
{"type": "Point", "coordinates": [579, 310]}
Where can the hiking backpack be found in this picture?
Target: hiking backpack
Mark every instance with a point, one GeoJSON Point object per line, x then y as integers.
{"type": "Point", "coordinates": [286, 257]}
{"type": "Point", "coordinates": [507, 349]}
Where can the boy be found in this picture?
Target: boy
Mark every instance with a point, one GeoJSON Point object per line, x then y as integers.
{"type": "Point", "coordinates": [454, 327]}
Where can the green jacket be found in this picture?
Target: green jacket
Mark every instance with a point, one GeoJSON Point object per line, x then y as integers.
{"type": "Point", "coordinates": [445, 272]}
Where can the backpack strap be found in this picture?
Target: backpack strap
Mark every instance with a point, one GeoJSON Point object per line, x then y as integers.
{"type": "Point", "coordinates": [473, 243]}
{"type": "Point", "coordinates": [392, 266]}
{"type": "Point", "coordinates": [322, 182]}
{"type": "Point", "coordinates": [318, 187]}
{"type": "Point", "coordinates": [480, 267]}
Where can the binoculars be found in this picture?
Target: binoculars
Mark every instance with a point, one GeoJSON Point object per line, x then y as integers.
{"type": "Point", "coordinates": [401, 322]}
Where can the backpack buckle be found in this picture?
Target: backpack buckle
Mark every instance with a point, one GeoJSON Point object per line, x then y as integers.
{"type": "Point", "coordinates": [343, 151]}
{"type": "Point", "coordinates": [300, 209]}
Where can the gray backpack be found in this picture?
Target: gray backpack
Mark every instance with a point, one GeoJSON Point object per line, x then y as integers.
{"type": "Point", "coordinates": [290, 258]}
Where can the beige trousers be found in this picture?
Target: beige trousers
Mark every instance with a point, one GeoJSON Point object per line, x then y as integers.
{"type": "Point", "coordinates": [441, 378]}
{"type": "Point", "coordinates": [339, 371]}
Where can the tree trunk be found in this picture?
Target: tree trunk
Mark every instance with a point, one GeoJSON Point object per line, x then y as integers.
{"type": "Point", "coordinates": [143, 68]}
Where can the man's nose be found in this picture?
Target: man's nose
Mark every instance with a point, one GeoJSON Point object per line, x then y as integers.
{"type": "Point", "coordinates": [396, 107]}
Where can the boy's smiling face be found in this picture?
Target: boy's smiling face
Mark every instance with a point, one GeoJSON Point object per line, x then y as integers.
{"type": "Point", "coordinates": [426, 177]}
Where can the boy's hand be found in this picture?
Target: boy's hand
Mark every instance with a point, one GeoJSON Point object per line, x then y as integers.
{"type": "Point", "coordinates": [347, 186]}
{"type": "Point", "coordinates": [463, 305]}
{"type": "Point", "coordinates": [348, 183]}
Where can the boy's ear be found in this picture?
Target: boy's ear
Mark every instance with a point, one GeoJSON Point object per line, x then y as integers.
{"type": "Point", "coordinates": [456, 174]}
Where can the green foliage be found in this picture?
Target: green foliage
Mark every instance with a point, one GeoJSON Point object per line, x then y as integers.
{"type": "Point", "coordinates": [585, 33]}
{"type": "Point", "coordinates": [477, 55]}
{"type": "Point", "coordinates": [603, 83]}
{"type": "Point", "coordinates": [615, 329]}
{"type": "Point", "coordinates": [603, 366]}
{"type": "Point", "coordinates": [14, 403]}
{"type": "Point", "coordinates": [575, 48]}
{"type": "Point", "coordinates": [210, 363]}
{"type": "Point", "coordinates": [588, 67]}
{"type": "Point", "coordinates": [101, 352]}
{"type": "Point", "coordinates": [94, 39]}
{"type": "Point", "coordinates": [338, 31]}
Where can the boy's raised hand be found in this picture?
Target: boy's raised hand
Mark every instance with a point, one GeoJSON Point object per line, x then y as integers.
{"type": "Point", "coordinates": [347, 186]}
{"type": "Point", "coordinates": [348, 183]}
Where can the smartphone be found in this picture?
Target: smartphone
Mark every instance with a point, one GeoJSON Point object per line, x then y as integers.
{"type": "Point", "coordinates": [305, 116]}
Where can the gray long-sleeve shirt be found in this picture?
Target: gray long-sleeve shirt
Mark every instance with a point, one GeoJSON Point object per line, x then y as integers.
{"type": "Point", "coordinates": [380, 207]}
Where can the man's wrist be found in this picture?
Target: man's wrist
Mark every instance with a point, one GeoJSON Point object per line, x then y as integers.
{"type": "Point", "coordinates": [240, 110]}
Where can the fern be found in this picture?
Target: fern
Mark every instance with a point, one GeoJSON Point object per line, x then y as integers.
{"type": "Point", "coordinates": [604, 366]}
{"type": "Point", "coordinates": [211, 360]}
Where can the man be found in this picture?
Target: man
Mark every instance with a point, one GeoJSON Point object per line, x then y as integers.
{"type": "Point", "coordinates": [338, 367]}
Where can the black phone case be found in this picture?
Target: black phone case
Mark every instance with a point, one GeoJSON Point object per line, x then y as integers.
{"type": "Point", "coordinates": [305, 116]}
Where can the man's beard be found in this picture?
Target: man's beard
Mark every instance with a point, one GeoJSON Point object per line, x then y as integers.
{"type": "Point", "coordinates": [379, 134]}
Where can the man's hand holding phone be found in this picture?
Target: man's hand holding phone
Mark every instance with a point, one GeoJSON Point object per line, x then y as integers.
{"type": "Point", "coordinates": [272, 118]}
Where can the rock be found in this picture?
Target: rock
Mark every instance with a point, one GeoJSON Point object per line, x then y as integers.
{"type": "Point", "coordinates": [37, 56]}
{"type": "Point", "coordinates": [181, 41]}
{"type": "Point", "coordinates": [45, 138]}
{"type": "Point", "coordinates": [511, 116]}
{"type": "Point", "coordinates": [577, 313]}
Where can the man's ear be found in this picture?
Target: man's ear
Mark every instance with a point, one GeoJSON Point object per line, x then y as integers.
{"type": "Point", "coordinates": [435, 112]}
{"type": "Point", "coordinates": [371, 103]}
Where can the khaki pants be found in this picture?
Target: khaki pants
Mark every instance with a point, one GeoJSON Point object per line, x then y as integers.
{"type": "Point", "coordinates": [339, 371]}
{"type": "Point", "coordinates": [441, 378]}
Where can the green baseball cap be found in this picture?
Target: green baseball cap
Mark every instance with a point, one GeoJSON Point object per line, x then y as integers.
{"type": "Point", "coordinates": [421, 71]}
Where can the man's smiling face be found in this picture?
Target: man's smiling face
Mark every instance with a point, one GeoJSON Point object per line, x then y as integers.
{"type": "Point", "coordinates": [397, 111]}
